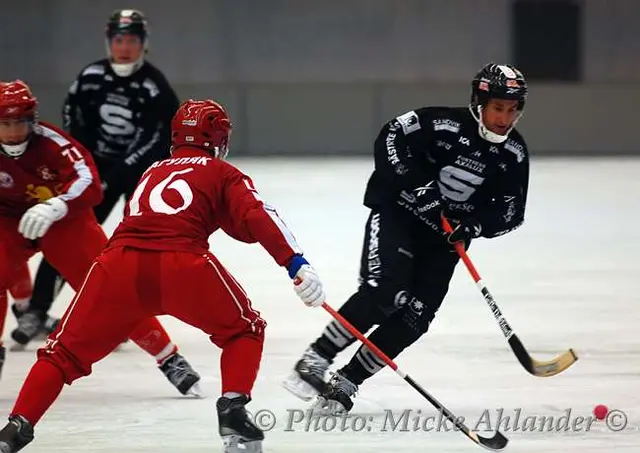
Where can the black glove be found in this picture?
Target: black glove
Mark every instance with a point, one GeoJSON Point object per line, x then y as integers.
{"type": "Point", "coordinates": [464, 230]}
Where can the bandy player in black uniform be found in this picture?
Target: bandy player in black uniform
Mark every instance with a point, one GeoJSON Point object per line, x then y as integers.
{"type": "Point", "coordinates": [468, 164]}
{"type": "Point", "coordinates": [119, 108]}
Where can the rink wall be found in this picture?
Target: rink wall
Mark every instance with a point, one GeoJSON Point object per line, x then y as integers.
{"type": "Point", "coordinates": [333, 118]}
{"type": "Point", "coordinates": [321, 77]}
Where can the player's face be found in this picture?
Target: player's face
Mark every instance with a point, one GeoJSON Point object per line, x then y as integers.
{"type": "Point", "coordinates": [499, 114]}
{"type": "Point", "coordinates": [125, 48]}
{"type": "Point", "coordinates": [13, 131]}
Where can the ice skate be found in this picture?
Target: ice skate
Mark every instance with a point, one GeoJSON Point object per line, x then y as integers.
{"type": "Point", "coordinates": [308, 376]}
{"type": "Point", "coordinates": [336, 399]}
{"type": "Point", "coordinates": [182, 375]}
{"type": "Point", "coordinates": [15, 435]}
{"type": "Point", "coordinates": [23, 334]}
{"type": "Point", "coordinates": [239, 434]}
{"type": "Point", "coordinates": [49, 326]}
{"type": "Point", "coordinates": [30, 324]}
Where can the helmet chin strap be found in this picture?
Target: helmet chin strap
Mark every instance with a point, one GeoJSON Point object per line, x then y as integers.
{"type": "Point", "coordinates": [15, 151]}
{"type": "Point", "coordinates": [125, 69]}
{"type": "Point", "coordinates": [485, 133]}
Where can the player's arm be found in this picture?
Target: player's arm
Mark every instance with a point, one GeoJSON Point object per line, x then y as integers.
{"type": "Point", "coordinates": [399, 150]}
{"type": "Point", "coordinates": [400, 155]}
{"type": "Point", "coordinates": [506, 210]}
{"type": "Point", "coordinates": [81, 189]}
{"type": "Point", "coordinates": [76, 120]}
{"type": "Point", "coordinates": [254, 220]}
{"type": "Point", "coordinates": [257, 221]}
{"type": "Point", "coordinates": [153, 135]}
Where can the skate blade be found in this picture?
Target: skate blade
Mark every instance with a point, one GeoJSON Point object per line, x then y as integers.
{"type": "Point", "coordinates": [17, 347]}
{"type": "Point", "coordinates": [236, 444]}
{"type": "Point", "coordinates": [325, 407]}
{"type": "Point", "coordinates": [299, 388]}
{"type": "Point", "coordinates": [196, 391]}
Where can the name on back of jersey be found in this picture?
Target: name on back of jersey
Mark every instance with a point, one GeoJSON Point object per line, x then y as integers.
{"type": "Point", "coordinates": [199, 160]}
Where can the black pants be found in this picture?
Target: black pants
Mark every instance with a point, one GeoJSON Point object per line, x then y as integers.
{"type": "Point", "coordinates": [405, 273]}
{"type": "Point", "coordinates": [48, 282]}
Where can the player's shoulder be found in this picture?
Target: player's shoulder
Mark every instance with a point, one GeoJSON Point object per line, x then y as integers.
{"type": "Point", "coordinates": [153, 79]}
{"type": "Point", "coordinates": [517, 146]}
{"type": "Point", "coordinates": [90, 77]}
{"type": "Point", "coordinates": [446, 119]}
{"type": "Point", "coordinates": [148, 69]}
{"type": "Point", "coordinates": [95, 69]}
{"type": "Point", "coordinates": [431, 118]}
{"type": "Point", "coordinates": [52, 137]}
{"type": "Point", "coordinates": [222, 172]}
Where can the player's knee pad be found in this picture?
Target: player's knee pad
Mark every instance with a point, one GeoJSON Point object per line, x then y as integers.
{"type": "Point", "coordinates": [389, 297]}
{"type": "Point", "coordinates": [416, 316]}
{"type": "Point", "coordinates": [412, 319]}
{"type": "Point", "coordinates": [72, 368]}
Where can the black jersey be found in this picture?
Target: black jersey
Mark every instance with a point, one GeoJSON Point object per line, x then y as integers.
{"type": "Point", "coordinates": [121, 119]}
{"type": "Point", "coordinates": [433, 159]}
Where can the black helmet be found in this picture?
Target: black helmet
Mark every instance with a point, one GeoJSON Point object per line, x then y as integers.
{"type": "Point", "coordinates": [127, 22]}
{"type": "Point", "coordinates": [496, 81]}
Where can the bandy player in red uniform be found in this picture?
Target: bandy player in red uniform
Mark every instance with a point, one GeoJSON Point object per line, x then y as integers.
{"type": "Point", "coordinates": [158, 262]}
{"type": "Point", "coordinates": [48, 187]}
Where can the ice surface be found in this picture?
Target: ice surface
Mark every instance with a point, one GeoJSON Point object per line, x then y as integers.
{"type": "Point", "coordinates": [568, 278]}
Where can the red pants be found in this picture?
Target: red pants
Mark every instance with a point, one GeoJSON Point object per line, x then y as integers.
{"type": "Point", "coordinates": [126, 285]}
{"type": "Point", "coordinates": [70, 245]}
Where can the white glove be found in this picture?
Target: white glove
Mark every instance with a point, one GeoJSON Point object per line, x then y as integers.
{"type": "Point", "coordinates": [37, 220]}
{"type": "Point", "coordinates": [308, 286]}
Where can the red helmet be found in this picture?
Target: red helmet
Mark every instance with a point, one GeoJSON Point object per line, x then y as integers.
{"type": "Point", "coordinates": [203, 124]}
{"type": "Point", "coordinates": [16, 100]}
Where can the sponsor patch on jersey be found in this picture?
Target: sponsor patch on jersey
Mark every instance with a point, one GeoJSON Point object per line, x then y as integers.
{"type": "Point", "coordinates": [6, 181]}
{"type": "Point", "coordinates": [516, 148]}
{"type": "Point", "coordinates": [40, 193]}
{"type": "Point", "coordinates": [409, 122]}
{"type": "Point", "coordinates": [443, 144]}
{"type": "Point", "coordinates": [471, 164]}
{"type": "Point", "coordinates": [46, 173]}
{"type": "Point", "coordinates": [445, 124]}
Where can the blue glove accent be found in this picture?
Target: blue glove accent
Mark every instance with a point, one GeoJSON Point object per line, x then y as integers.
{"type": "Point", "coordinates": [295, 264]}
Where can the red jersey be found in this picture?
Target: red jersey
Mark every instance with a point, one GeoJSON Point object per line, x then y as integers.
{"type": "Point", "coordinates": [53, 165]}
{"type": "Point", "coordinates": [179, 202]}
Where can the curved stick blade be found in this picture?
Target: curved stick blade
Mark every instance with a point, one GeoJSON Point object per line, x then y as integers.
{"type": "Point", "coordinates": [495, 443]}
{"type": "Point", "coordinates": [542, 368]}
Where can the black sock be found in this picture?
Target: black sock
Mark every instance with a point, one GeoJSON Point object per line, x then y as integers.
{"type": "Point", "coordinates": [397, 333]}
{"type": "Point", "coordinates": [361, 312]}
